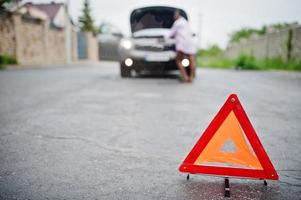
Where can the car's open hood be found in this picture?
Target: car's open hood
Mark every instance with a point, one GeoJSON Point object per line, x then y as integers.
{"type": "Point", "coordinates": [153, 17]}
{"type": "Point", "coordinates": [151, 33]}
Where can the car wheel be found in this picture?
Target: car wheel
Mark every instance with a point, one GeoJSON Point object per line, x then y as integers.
{"type": "Point", "coordinates": [125, 71]}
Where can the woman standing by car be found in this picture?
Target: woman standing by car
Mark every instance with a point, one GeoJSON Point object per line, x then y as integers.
{"type": "Point", "coordinates": [185, 46]}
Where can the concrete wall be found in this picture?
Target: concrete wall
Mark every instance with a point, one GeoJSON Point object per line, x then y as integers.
{"type": "Point", "coordinates": [296, 51]}
{"type": "Point", "coordinates": [270, 45]}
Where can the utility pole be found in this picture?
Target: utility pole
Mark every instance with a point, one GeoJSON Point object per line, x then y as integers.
{"type": "Point", "coordinates": [200, 23]}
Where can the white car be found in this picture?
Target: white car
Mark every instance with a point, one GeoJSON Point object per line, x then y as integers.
{"type": "Point", "coordinates": [146, 50]}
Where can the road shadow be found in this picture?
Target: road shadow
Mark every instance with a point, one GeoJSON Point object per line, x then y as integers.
{"type": "Point", "coordinates": [206, 189]}
{"type": "Point", "coordinates": [163, 75]}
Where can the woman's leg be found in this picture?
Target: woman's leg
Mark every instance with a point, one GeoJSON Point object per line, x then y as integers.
{"type": "Point", "coordinates": [192, 66]}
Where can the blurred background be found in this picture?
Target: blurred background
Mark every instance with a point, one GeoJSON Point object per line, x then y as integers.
{"type": "Point", "coordinates": [78, 122]}
{"type": "Point", "coordinates": [249, 35]}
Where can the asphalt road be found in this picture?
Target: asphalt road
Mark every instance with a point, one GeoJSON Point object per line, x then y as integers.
{"type": "Point", "coordinates": [82, 132]}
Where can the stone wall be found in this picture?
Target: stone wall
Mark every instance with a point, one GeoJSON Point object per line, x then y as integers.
{"type": "Point", "coordinates": [74, 52]}
{"type": "Point", "coordinates": [56, 46]}
{"type": "Point", "coordinates": [32, 42]}
{"type": "Point", "coordinates": [7, 35]}
{"type": "Point", "coordinates": [270, 45]}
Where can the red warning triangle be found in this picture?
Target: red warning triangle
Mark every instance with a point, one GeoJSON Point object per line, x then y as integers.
{"type": "Point", "coordinates": [231, 124]}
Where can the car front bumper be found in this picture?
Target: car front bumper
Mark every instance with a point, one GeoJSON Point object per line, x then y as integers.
{"type": "Point", "coordinates": [150, 61]}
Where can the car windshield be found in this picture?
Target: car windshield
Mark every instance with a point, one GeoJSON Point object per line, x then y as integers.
{"type": "Point", "coordinates": [153, 17]}
{"type": "Point", "coordinates": [151, 32]}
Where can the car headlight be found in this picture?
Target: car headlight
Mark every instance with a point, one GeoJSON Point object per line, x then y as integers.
{"type": "Point", "coordinates": [126, 43]}
{"type": "Point", "coordinates": [185, 62]}
{"type": "Point", "coordinates": [128, 62]}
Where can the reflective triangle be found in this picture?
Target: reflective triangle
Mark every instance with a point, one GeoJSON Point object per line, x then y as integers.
{"type": "Point", "coordinates": [247, 161]}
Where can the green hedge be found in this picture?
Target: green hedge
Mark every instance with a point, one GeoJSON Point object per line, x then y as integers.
{"type": "Point", "coordinates": [7, 60]}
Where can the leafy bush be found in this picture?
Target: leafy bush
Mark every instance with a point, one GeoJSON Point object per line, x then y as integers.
{"type": "Point", "coordinates": [6, 60]}
{"type": "Point", "coordinates": [246, 62]}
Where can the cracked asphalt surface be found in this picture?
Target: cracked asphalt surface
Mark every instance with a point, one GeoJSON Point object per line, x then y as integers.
{"type": "Point", "coordinates": [82, 132]}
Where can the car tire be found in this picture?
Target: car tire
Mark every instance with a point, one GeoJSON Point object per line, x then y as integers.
{"type": "Point", "coordinates": [125, 71]}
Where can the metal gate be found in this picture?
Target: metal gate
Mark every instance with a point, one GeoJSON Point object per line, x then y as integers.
{"type": "Point", "coordinates": [81, 45]}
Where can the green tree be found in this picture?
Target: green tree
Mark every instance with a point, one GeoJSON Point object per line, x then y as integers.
{"type": "Point", "coordinates": [246, 33]}
{"type": "Point", "coordinates": [86, 21]}
{"type": "Point", "coordinates": [3, 3]}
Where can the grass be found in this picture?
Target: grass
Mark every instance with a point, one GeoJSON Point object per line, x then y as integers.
{"type": "Point", "coordinates": [278, 63]}
{"type": "Point", "coordinates": [213, 58]}
{"type": "Point", "coordinates": [247, 62]}
{"type": "Point", "coordinates": [215, 62]}
{"type": "Point", "coordinates": [7, 60]}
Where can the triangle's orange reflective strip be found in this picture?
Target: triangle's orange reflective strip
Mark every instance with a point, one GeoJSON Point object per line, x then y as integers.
{"type": "Point", "coordinates": [230, 129]}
